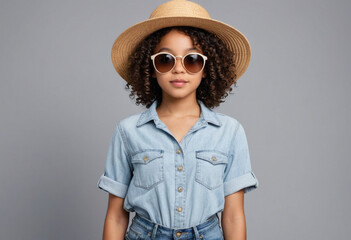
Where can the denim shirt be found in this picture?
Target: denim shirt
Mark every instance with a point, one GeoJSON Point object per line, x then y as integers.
{"type": "Point", "coordinates": [177, 185]}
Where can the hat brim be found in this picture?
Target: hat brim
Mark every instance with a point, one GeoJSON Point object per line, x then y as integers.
{"type": "Point", "coordinates": [127, 41]}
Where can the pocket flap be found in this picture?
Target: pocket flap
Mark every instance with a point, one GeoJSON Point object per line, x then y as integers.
{"type": "Point", "coordinates": [212, 156]}
{"type": "Point", "coordinates": [147, 156]}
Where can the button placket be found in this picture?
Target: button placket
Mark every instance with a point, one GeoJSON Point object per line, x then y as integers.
{"type": "Point", "coordinates": [180, 179]}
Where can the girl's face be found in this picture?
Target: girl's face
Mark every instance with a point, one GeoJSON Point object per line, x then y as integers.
{"type": "Point", "coordinates": [178, 44]}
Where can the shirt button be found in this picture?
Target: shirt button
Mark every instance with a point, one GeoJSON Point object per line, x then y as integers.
{"type": "Point", "coordinates": [214, 158]}
{"type": "Point", "coordinates": [179, 151]}
{"type": "Point", "coordinates": [180, 168]}
{"type": "Point", "coordinates": [178, 234]}
{"type": "Point", "coordinates": [179, 209]}
{"type": "Point", "coordinates": [180, 189]}
{"type": "Point", "coordinates": [145, 158]}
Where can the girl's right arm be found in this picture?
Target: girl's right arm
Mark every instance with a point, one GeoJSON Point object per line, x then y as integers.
{"type": "Point", "coordinates": [117, 219]}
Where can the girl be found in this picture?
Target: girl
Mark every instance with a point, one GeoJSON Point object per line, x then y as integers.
{"type": "Point", "coordinates": [179, 163]}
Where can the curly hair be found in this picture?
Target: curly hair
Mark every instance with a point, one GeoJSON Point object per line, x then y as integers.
{"type": "Point", "coordinates": [219, 69]}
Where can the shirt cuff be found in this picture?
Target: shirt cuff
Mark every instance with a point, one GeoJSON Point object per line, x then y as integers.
{"type": "Point", "coordinates": [113, 187]}
{"type": "Point", "coordinates": [248, 182]}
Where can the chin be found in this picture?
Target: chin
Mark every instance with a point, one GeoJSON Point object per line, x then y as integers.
{"type": "Point", "coordinates": [178, 96]}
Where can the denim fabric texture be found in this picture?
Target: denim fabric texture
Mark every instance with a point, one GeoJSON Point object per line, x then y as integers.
{"type": "Point", "coordinates": [177, 184]}
{"type": "Point", "coordinates": [142, 228]}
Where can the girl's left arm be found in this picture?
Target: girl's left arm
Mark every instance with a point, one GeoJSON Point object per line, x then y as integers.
{"type": "Point", "coordinates": [233, 217]}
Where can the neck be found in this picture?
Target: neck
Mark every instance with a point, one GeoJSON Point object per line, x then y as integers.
{"type": "Point", "coordinates": [179, 107]}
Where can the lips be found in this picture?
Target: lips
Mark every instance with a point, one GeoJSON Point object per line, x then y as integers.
{"type": "Point", "coordinates": [178, 82]}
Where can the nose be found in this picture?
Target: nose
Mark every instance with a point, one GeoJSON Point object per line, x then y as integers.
{"type": "Point", "coordinates": [178, 68]}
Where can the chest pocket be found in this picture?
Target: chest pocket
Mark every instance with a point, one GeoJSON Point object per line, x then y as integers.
{"type": "Point", "coordinates": [148, 168]}
{"type": "Point", "coordinates": [210, 165]}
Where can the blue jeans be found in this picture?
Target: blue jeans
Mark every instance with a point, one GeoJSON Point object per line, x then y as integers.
{"type": "Point", "coordinates": [142, 228]}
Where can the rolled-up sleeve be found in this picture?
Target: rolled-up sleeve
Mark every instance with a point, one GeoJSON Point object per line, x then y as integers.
{"type": "Point", "coordinates": [238, 174]}
{"type": "Point", "coordinates": [117, 175]}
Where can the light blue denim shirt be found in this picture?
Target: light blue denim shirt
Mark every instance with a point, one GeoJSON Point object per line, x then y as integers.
{"type": "Point", "coordinates": [177, 185]}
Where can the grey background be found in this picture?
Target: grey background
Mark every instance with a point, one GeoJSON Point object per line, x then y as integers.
{"type": "Point", "coordinates": [60, 99]}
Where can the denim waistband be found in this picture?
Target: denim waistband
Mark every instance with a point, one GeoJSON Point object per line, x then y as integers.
{"type": "Point", "coordinates": [152, 227]}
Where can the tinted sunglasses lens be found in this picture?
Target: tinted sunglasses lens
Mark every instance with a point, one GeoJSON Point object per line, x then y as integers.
{"type": "Point", "coordinates": [164, 62]}
{"type": "Point", "coordinates": [194, 63]}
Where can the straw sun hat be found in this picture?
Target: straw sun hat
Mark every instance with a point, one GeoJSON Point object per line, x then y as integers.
{"type": "Point", "coordinates": [179, 13]}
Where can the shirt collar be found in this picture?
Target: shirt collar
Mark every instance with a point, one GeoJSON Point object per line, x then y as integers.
{"type": "Point", "coordinates": [207, 115]}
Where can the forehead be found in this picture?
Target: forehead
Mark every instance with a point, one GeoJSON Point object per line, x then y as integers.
{"type": "Point", "coordinates": [176, 41]}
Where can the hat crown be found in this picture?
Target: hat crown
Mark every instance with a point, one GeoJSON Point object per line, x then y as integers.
{"type": "Point", "coordinates": [179, 8]}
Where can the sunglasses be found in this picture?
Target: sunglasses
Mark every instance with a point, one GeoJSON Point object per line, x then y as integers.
{"type": "Point", "coordinates": [164, 62]}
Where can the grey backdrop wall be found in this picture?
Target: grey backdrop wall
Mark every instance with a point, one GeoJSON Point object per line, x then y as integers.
{"type": "Point", "coordinates": [60, 99]}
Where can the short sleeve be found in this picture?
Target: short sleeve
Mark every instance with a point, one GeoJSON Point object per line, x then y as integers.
{"type": "Point", "coordinates": [117, 175]}
{"type": "Point", "coordinates": [238, 174]}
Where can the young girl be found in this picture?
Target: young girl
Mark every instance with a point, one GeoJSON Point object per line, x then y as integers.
{"type": "Point", "coordinates": [179, 163]}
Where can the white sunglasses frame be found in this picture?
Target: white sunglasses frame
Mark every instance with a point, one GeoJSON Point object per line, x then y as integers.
{"type": "Point", "coordinates": [175, 61]}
